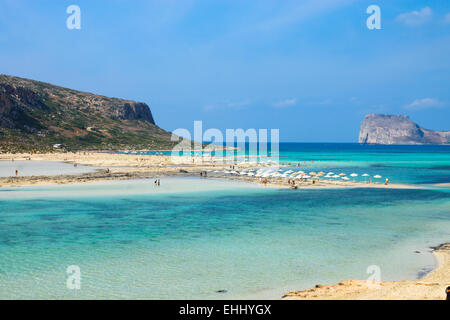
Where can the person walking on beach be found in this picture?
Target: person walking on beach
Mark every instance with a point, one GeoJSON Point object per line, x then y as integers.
{"type": "Point", "coordinates": [387, 181]}
{"type": "Point", "coordinates": [17, 172]}
{"type": "Point", "coordinates": [159, 182]}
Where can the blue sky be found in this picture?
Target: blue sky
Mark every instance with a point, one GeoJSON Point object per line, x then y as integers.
{"type": "Point", "coordinates": [309, 68]}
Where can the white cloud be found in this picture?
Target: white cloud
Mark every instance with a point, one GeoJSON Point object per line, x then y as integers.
{"type": "Point", "coordinates": [239, 104]}
{"type": "Point", "coordinates": [325, 102]}
{"type": "Point", "coordinates": [285, 103]}
{"type": "Point", "coordinates": [425, 103]}
{"type": "Point", "coordinates": [447, 18]}
{"type": "Point", "coordinates": [298, 11]}
{"type": "Point", "coordinates": [415, 18]}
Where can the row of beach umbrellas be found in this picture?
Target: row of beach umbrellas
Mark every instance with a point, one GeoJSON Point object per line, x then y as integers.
{"type": "Point", "coordinates": [278, 173]}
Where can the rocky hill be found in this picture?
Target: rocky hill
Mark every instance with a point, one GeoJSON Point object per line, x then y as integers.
{"type": "Point", "coordinates": [36, 115]}
{"type": "Point", "coordinates": [398, 129]}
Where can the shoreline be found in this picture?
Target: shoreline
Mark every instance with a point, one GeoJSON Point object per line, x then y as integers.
{"type": "Point", "coordinates": [430, 287]}
{"type": "Point", "coordinates": [147, 173]}
{"type": "Point", "coordinates": [125, 166]}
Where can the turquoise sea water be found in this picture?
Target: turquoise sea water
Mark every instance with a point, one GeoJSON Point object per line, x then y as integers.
{"type": "Point", "coordinates": [190, 238]}
{"type": "Point", "coordinates": [426, 164]}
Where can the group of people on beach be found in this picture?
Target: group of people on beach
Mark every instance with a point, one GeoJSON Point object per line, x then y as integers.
{"type": "Point", "coordinates": [157, 182]}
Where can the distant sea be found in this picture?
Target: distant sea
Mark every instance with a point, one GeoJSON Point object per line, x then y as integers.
{"type": "Point", "coordinates": [206, 239]}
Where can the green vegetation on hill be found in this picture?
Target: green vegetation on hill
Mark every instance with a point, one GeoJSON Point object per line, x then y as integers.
{"type": "Point", "coordinates": [36, 115]}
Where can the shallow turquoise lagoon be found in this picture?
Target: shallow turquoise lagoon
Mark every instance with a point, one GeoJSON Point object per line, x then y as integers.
{"type": "Point", "coordinates": [192, 237]}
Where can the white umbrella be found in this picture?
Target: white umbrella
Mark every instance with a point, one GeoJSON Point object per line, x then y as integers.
{"type": "Point", "coordinates": [365, 175]}
{"type": "Point", "coordinates": [377, 176]}
{"type": "Point", "coordinates": [354, 175]}
{"type": "Point", "coordinates": [345, 178]}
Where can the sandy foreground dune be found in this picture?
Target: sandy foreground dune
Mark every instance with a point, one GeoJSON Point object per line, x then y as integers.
{"type": "Point", "coordinates": [430, 287]}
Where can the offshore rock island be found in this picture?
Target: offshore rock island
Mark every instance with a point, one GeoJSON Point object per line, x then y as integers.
{"type": "Point", "coordinates": [398, 129]}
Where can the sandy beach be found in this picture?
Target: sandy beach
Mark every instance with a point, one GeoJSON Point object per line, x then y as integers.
{"type": "Point", "coordinates": [115, 166]}
{"type": "Point", "coordinates": [430, 287]}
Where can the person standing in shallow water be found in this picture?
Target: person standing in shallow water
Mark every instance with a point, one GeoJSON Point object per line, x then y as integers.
{"type": "Point", "coordinates": [159, 182]}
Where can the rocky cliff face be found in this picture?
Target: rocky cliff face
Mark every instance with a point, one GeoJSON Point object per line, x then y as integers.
{"type": "Point", "coordinates": [21, 96]}
{"type": "Point", "coordinates": [398, 129]}
{"type": "Point", "coordinates": [34, 113]}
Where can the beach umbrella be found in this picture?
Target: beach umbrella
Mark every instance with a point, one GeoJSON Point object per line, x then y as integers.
{"type": "Point", "coordinates": [330, 173]}
{"type": "Point", "coordinates": [312, 173]}
{"type": "Point", "coordinates": [336, 176]}
{"type": "Point", "coordinates": [377, 176]}
{"type": "Point", "coordinates": [342, 174]}
{"type": "Point", "coordinates": [354, 175]}
{"type": "Point", "coordinates": [365, 175]}
{"type": "Point", "coordinates": [345, 178]}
